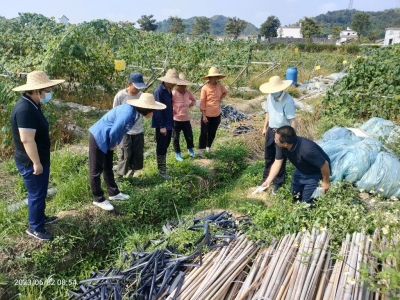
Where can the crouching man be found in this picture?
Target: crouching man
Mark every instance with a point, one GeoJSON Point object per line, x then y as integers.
{"type": "Point", "coordinates": [311, 162]}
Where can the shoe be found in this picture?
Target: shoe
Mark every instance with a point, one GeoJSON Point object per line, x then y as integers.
{"type": "Point", "coordinates": [137, 173]}
{"type": "Point", "coordinates": [50, 220]}
{"type": "Point", "coordinates": [275, 190]}
{"type": "Point", "coordinates": [178, 156]}
{"type": "Point", "coordinates": [165, 175]}
{"type": "Point", "coordinates": [191, 152]}
{"type": "Point", "coordinates": [104, 205]}
{"type": "Point", "coordinates": [40, 235]}
{"type": "Point", "coordinates": [201, 153]}
{"type": "Point", "coordinates": [120, 196]}
{"type": "Point", "coordinates": [208, 149]}
{"type": "Point", "coordinates": [128, 174]}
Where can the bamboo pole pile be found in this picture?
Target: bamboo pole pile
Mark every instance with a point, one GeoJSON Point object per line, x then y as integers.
{"type": "Point", "coordinates": [298, 267]}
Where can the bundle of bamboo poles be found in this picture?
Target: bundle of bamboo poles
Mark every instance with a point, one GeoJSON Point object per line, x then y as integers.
{"type": "Point", "coordinates": [299, 266]}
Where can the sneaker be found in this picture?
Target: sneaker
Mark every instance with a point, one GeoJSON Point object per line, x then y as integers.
{"type": "Point", "coordinates": [208, 149]}
{"type": "Point", "coordinates": [201, 153]}
{"type": "Point", "coordinates": [50, 220]}
{"type": "Point", "coordinates": [138, 173]}
{"type": "Point", "coordinates": [275, 190]}
{"type": "Point", "coordinates": [165, 175]}
{"type": "Point", "coordinates": [191, 152]}
{"type": "Point", "coordinates": [120, 196]}
{"type": "Point", "coordinates": [128, 174]}
{"type": "Point", "coordinates": [104, 205]}
{"type": "Point", "coordinates": [178, 157]}
{"type": "Point", "coordinates": [40, 235]}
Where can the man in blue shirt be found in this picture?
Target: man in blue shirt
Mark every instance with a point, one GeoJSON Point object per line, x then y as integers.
{"type": "Point", "coordinates": [280, 111]}
{"type": "Point", "coordinates": [311, 162]}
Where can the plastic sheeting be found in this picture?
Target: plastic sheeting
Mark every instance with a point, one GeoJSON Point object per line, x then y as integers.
{"type": "Point", "coordinates": [383, 176]}
{"type": "Point", "coordinates": [361, 160]}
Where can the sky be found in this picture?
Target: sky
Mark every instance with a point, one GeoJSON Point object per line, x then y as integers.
{"type": "Point", "coordinates": [253, 11]}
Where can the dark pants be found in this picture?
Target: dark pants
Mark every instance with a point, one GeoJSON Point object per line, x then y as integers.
{"type": "Point", "coordinates": [304, 185]}
{"type": "Point", "coordinates": [130, 153]}
{"type": "Point", "coordinates": [208, 131]}
{"type": "Point", "coordinates": [163, 142]}
{"type": "Point", "coordinates": [36, 186]}
{"type": "Point", "coordinates": [100, 162]}
{"type": "Point", "coordinates": [269, 156]}
{"type": "Point", "coordinates": [187, 132]}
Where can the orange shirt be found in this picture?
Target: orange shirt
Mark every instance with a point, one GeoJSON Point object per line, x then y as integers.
{"type": "Point", "coordinates": [210, 99]}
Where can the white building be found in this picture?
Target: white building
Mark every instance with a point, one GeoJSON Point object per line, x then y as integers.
{"type": "Point", "coordinates": [289, 32]}
{"type": "Point", "coordinates": [63, 19]}
{"type": "Point", "coordinates": [392, 36]}
{"type": "Point", "coordinates": [346, 36]}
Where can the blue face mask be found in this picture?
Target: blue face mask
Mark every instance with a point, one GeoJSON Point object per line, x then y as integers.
{"type": "Point", "coordinates": [47, 98]}
{"type": "Point", "coordinates": [276, 95]}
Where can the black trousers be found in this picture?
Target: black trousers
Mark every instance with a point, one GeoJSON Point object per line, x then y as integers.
{"type": "Point", "coordinates": [186, 127]}
{"type": "Point", "coordinates": [100, 162]}
{"type": "Point", "coordinates": [163, 142]}
{"type": "Point", "coordinates": [208, 131]}
{"type": "Point", "coordinates": [269, 156]}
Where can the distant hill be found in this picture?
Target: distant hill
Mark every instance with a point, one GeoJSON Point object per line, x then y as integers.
{"type": "Point", "coordinates": [217, 26]}
{"type": "Point", "coordinates": [380, 20]}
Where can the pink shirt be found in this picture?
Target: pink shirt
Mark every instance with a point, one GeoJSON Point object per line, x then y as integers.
{"type": "Point", "coordinates": [181, 104]}
{"type": "Point", "coordinates": [210, 99]}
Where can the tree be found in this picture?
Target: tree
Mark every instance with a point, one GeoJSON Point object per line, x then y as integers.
{"type": "Point", "coordinates": [309, 28]}
{"type": "Point", "coordinates": [235, 26]}
{"type": "Point", "coordinates": [360, 23]}
{"type": "Point", "coordinates": [201, 26]}
{"type": "Point", "coordinates": [147, 23]}
{"type": "Point", "coordinates": [336, 30]}
{"type": "Point", "coordinates": [270, 27]}
{"type": "Point", "coordinates": [176, 25]}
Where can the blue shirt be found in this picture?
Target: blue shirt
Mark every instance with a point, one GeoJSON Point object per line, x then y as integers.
{"type": "Point", "coordinates": [280, 112]}
{"type": "Point", "coordinates": [306, 155]}
{"type": "Point", "coordinates": [111, 128]}
{"type": "Point", "coordinates": [163, 118]}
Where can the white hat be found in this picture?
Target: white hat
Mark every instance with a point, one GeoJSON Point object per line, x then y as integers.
{"type": "Point", "coordinates": [183, 80]}
{"type": "Point", "coordinates": [275, 84]}
{"type": "Point", "coordinates": [37, 80]}
{"type": "Point", "coordinates": [146, 100]}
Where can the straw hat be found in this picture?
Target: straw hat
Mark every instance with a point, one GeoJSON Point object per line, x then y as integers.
{"type": "Point", "coordinates": [146, 100]}
{"type": "Point", "coordinates": [170, 77]}
{"type": "Point", "coordinates": [213, 72]}
{"type": "Point", "coordinates": [183, 80]}
{"type": "Point", "coordinates": [37, 80]}
{"type": "Point", "coordinates": [275, 84]}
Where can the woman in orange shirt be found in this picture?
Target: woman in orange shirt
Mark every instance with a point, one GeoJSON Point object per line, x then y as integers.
{"type": "Point", "coordinates": [210, 105]}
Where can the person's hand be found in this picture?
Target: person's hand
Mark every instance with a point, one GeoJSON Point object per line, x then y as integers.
{"type": "Point", "coordinates": [264, 132]}
{"type": "Point", "coordinates": [37, 169]}
{"type": "Point", "coordinates": [205, 120]}
{"type": "Point", "coordinates": [325, 186]}
{"type": "Point", "coordinates": [163, 131]}
{"type": "Point", "coordinates": [265, 184]}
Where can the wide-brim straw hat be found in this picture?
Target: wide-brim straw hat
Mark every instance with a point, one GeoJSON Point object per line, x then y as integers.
{"type": "Point", "coordinates": [213, 72]}
{"type": "Point", "coordinates": [183, 80]}
{"type": "Point", "coordinates": [37, 80]}
{"type": "Point", "coordinates": [146, 100]}
{"type": "Point", "coordinates": [275, 84]}
{"type": "Point", "coordinates": [170, 77]}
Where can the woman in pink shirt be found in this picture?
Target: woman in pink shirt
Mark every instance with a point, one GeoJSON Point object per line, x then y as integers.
{"type": "Point", "coordinates": [182, 99]}
{"type": "Point", "coordinates": [210, 105]}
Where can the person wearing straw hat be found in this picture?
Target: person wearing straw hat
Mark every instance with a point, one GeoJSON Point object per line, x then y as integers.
{"type": "Point", "coordinates": [104, 137]}
{"type": "Point", "coordinates": [211, 96]}
{"type": "Point", "coordinates": [130, 150]}
{"type": "Point", "coordinates": [279, 111]}
{"type": "Point", "coordinates": [163, 120]}
{"type": "Point", "coordinates": [30, 131]}
{"type": "Point", "coordinates": [182, 100]}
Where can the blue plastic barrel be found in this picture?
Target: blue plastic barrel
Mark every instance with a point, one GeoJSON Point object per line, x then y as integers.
{"type": "Point", "coordinates": [291, 74]}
